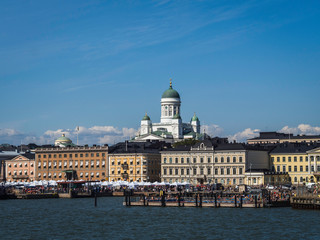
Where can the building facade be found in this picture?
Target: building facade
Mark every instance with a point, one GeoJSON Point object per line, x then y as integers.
{"type": "Point", "coordinates": [63, 163]}
{"type": "Point", "coordinates": [138, 162]}
{"type": "Point", "coordinates": [21, 168]}
{"type": "Point", "coordinates": [206, 162]}
{"type": "Point", "coordinates": [299, 160]}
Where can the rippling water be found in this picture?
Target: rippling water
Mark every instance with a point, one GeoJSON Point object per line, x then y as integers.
{"type": "Point", "coordinates": [79, 219]}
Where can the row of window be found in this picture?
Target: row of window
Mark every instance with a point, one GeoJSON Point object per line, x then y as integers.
{"type": "Point", "coordinates": [15, 173]}
{"type": "Point", "coordinates": [227, 181]}
{"type": "Point", "coordinates": [20, 165]}
{"type": "Point", "coordinates": [295, 168]}
{"type": "Point", "coordinates": [69, 163]}
{"type": "Point", "coordinates": [202, 171]}
{"type": "Point", "coordinates": [131, 171]}
{"type": "Point", "coordinates": [70, 155]}
{"type": "Point", "coordinates": [295, 159]}
{"type": "Point", "coordinates": [202, 160]}
{"type": "Point", "coordinates": [55, 175]}
{"type": "Point", "coordinates": [144, 162]}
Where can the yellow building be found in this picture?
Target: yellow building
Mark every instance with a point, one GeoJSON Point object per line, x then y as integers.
{"type": "Point", "coordinates": [134, 162]}
{"type": "Point", "coordinates": [294, 159]}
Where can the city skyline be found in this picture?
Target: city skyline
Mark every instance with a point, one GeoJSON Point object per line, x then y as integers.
{"type": "Point", "coordinates": [243, 67]}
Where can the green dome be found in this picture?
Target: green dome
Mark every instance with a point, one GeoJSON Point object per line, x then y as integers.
{"type": "Point", "coordinates": [177, 116]}
{"type": "Point", "coordinates": [64, 139]}
{"type": "Point", "coordinates": [170, 93]}
{"type": "Point", "coordinates": [194, 118]}
{"type": "Point", "coordinates": [146, 117]}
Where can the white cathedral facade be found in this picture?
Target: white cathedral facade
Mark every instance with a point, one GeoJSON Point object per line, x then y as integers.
{"type": "Point", "coordinates": [171, 128]}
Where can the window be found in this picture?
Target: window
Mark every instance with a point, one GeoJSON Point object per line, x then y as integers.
{"type": "Point", "coordinates": [194, 171]}
{"type": "Point", "coordinates": [209, 160]}
{"type": "Point", "coordinates": [234, 171]}
{"type": "Point", "coordinates": [194, 160]}
{"type": "Point", "coordinates": [295, 159]}
{"type": "Point", "coordinates": [97, 155]}
{"type": "Point", "coordinates": [209, 171]}
{"type": "Point", "coordinates": [201, 171]}
{"type": "Point", "coordinates": [170, 160]}
{"type": "Point", "coordinates": [278, 159]}
{"type": "Point", "coordinates": [228, 171]}
{"type": "Point", "coordinates": [312, 168]}
{"type": "Point", "coordinates": [278, 168]}
{"type": "Point", "coordinates": [201, 160]}
{"type": "Point", "coordinates": [222, 159]}
{"type": "Point", "coordinates": [182, 171]}
{"type": "Point", "coordinates": [215, 159]}
{"type": "Point", "coordinates": [306, 158]}
{"type": "Point", "coordinates": [70, 155]}
{"type": "Point", "coordinates": [182, 160]}
{"type": "Point", "coordinates": [65, 155]}
{"type": "Point", "coordinates": [170, 171]}
{"type": "Point", "coordinates": [283, 168]}
{"type": "Point", "coordinates": [234, 159]}
{"type": "Point", "coordinates": [228, 159]}
{"type": "Point", "coordinates": [295, 168]}
{"type": "Point", "coordinates": [188, 171]}
{"type": "Point", "coordinates": [272, 159]}
{"type": "Point", "coordinates": [221, 171]}
{"type": "Point", "coordinates": [164, 160]}
{"type": "Point", "coordinates": [176, 172]}
{"type": "Point", "coordinates": [283, 159]}
{"type": "Point", "coordinates": [188, 160]}
{"type": "Point", "coordinates": [240, 170]}
{"type": "Point", "coordinates": [216, 171]}
{"type": "Point", "coordinates": [301, 168]}
{"type": "Point", "coordinates": [307, 169]}
{"type": "Point", "coordinates": [289, 168]}
{"type": "Point", "coordinates": [289, 159]}
{"type": "Point", "coordinates": [240, 159]}
{"type": "Point", "coordinates": [176, 160]}
{"type": "Point", "coordinates": [295, 179]}
{"type": "Point", "coordinates": [301, 159]}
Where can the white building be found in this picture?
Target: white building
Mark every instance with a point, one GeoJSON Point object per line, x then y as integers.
{"type": "Point", "coordinates": [171, 128]}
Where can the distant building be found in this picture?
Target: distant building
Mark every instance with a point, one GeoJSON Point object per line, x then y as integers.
{"type": "Point", "coordinates": [299, 160]}
{"type": "Point", "coordinates": [63, 141]}
{"type": "Point", "coordinates": [171, 128]}
{"type": "Point", "coordinates": [21, 168]}
{"type": "Point", "coordinates": [276, 137]}
{"type": "Point", "coordinates": [135, 161]}
{"type": "Point", "coordinates": [63, 163]}
{"type": "Point", "coordinates": [206, 162]}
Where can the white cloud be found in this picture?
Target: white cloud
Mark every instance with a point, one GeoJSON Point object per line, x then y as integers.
{"type": "Point", "coordinates": [301, 129]}
{"type": "Point", "coordinates": [244, 135]}
{"type": "Point", "coordinates": [212, 130]}
{"type": "Point", "coordinates": [91, 135]}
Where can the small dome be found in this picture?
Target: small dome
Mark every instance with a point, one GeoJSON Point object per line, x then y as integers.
{"type": "Point", "coordinates": [177, 116]}
{"type": "Point", "coordinates": [63, 138]}
{"type": "Point", "coordinates": [194, 118]}
{"type": "Point", "coordinates": [146, 117]}
{"type": "Point", "coordinates": [170, 93]}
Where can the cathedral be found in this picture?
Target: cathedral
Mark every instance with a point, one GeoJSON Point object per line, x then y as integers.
{"type": "Point", "coordinates": [171, 128]}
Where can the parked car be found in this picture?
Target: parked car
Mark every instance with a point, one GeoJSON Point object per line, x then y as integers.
{"type": "Point", "coordinates": [270, 187]}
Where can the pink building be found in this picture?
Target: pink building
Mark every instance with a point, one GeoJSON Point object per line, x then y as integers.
{"type": "Point", "coordinates": [21, 168]}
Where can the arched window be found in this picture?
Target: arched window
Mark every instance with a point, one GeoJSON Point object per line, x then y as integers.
{"type": "Point", "coordinates": [295, 179]}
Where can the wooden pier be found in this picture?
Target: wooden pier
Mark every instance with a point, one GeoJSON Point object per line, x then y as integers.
{"type": "Point", "coordinates": [306, 202]}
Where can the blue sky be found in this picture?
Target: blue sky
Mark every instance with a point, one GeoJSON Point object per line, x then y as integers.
{"type": "Point", "coordinates": [240, 65]}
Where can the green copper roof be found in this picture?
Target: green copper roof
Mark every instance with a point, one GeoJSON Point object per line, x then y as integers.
{"type": "Point", "coordinates": [194, 118]}
{"type": "Point", "coordinates": [64, 139]}
{"type": "Point", "coordinates": [170, 93]}
{"type": "Point", "coordinates": [177, 116]}
{"type": "Point", "coordinates": [146, 117]}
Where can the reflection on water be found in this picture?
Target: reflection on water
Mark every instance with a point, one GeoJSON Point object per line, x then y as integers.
{"type": "Point", "coordinates": [79, 219]}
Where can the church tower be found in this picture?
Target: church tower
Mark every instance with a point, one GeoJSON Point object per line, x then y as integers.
{"type": "Point", "coordinates": [170, 104]}
{"type": "Point", "coordinates": [146, 125]}
{"type": "Point", "coordinates": [195, 123]}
